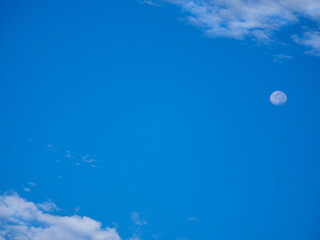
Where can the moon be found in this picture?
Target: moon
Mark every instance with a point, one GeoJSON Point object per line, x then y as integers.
{"type": "Point", "coordinates": [278, 98]}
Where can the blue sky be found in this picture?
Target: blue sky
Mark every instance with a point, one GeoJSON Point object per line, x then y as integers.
{"type": "Point", "coordinates": [146, 120]}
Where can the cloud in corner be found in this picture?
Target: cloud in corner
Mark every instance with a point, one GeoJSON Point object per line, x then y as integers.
{"type": "Point", "coordinates": [24, 220]}
{"type": "Point", "coordinates": [258, 20]}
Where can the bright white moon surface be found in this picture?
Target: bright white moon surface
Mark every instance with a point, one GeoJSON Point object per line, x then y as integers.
{"type": "Point", "coordinates": [278, 98]}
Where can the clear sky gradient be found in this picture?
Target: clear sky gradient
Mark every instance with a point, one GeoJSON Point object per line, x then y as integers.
{"type": "Point", "coordinates": [124, 112]}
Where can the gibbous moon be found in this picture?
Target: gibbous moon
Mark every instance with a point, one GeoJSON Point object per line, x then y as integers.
{"type": "Point", "coordinates": [278, 98]}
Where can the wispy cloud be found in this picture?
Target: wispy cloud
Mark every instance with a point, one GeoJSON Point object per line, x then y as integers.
{"type": "Point", "coordinates": [310, 39]}
{"type": "Point", "coordinates": [150, 2]}
{"type": "Point", "coordinates": [52, 147]}
{"type": "Point", "coordinates": [68, 154]}
{"type": "Point", "coordinates": [79, 161]}
{"type": "Point", "coordinates": [21, 219]}
{"type": "Point", "coordinates": [259, 20]}
{"type": "Point", "coordinates": [32, 184]}
{"type": "Point", "coordinates": [29, 187]}
{"type": "Point", "coordinates": [280, 58]}
{"type": "Point", "coordinates": [26, 189]}
{"type": "Point", "coordinates": [138, 219]}
{"type": "Point", "coordinates": [48, 207]}
{"type": "Point", "coordinates": [88, 160]}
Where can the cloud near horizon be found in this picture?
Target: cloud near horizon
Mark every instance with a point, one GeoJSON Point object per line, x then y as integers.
{"type": "Point", "coordinates": [24, 220]}
{"type": "Point", "coordinates": [256, 19]}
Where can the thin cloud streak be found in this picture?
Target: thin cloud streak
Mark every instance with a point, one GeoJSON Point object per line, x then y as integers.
{"type": "Point", "coordinates": [150, 2]}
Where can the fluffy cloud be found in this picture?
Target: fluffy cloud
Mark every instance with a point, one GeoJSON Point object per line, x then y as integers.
{"type": "Point", "coordinates": [24, 220]}
{"type": "Point", "coordinates": [256, 19]}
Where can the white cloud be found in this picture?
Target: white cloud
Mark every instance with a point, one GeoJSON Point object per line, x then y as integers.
{"type": "Point", "coordinates": [310, 39]}
{"type": "Point", "coordinates": [255, 19]}
{"type": "Point", "coordinates": [137, 219]}
{"type": "Point", "coordinates": [24, 220]}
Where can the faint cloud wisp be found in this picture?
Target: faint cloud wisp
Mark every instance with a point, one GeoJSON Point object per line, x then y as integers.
{"type": "Point", "coordinates": [138, 219]}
